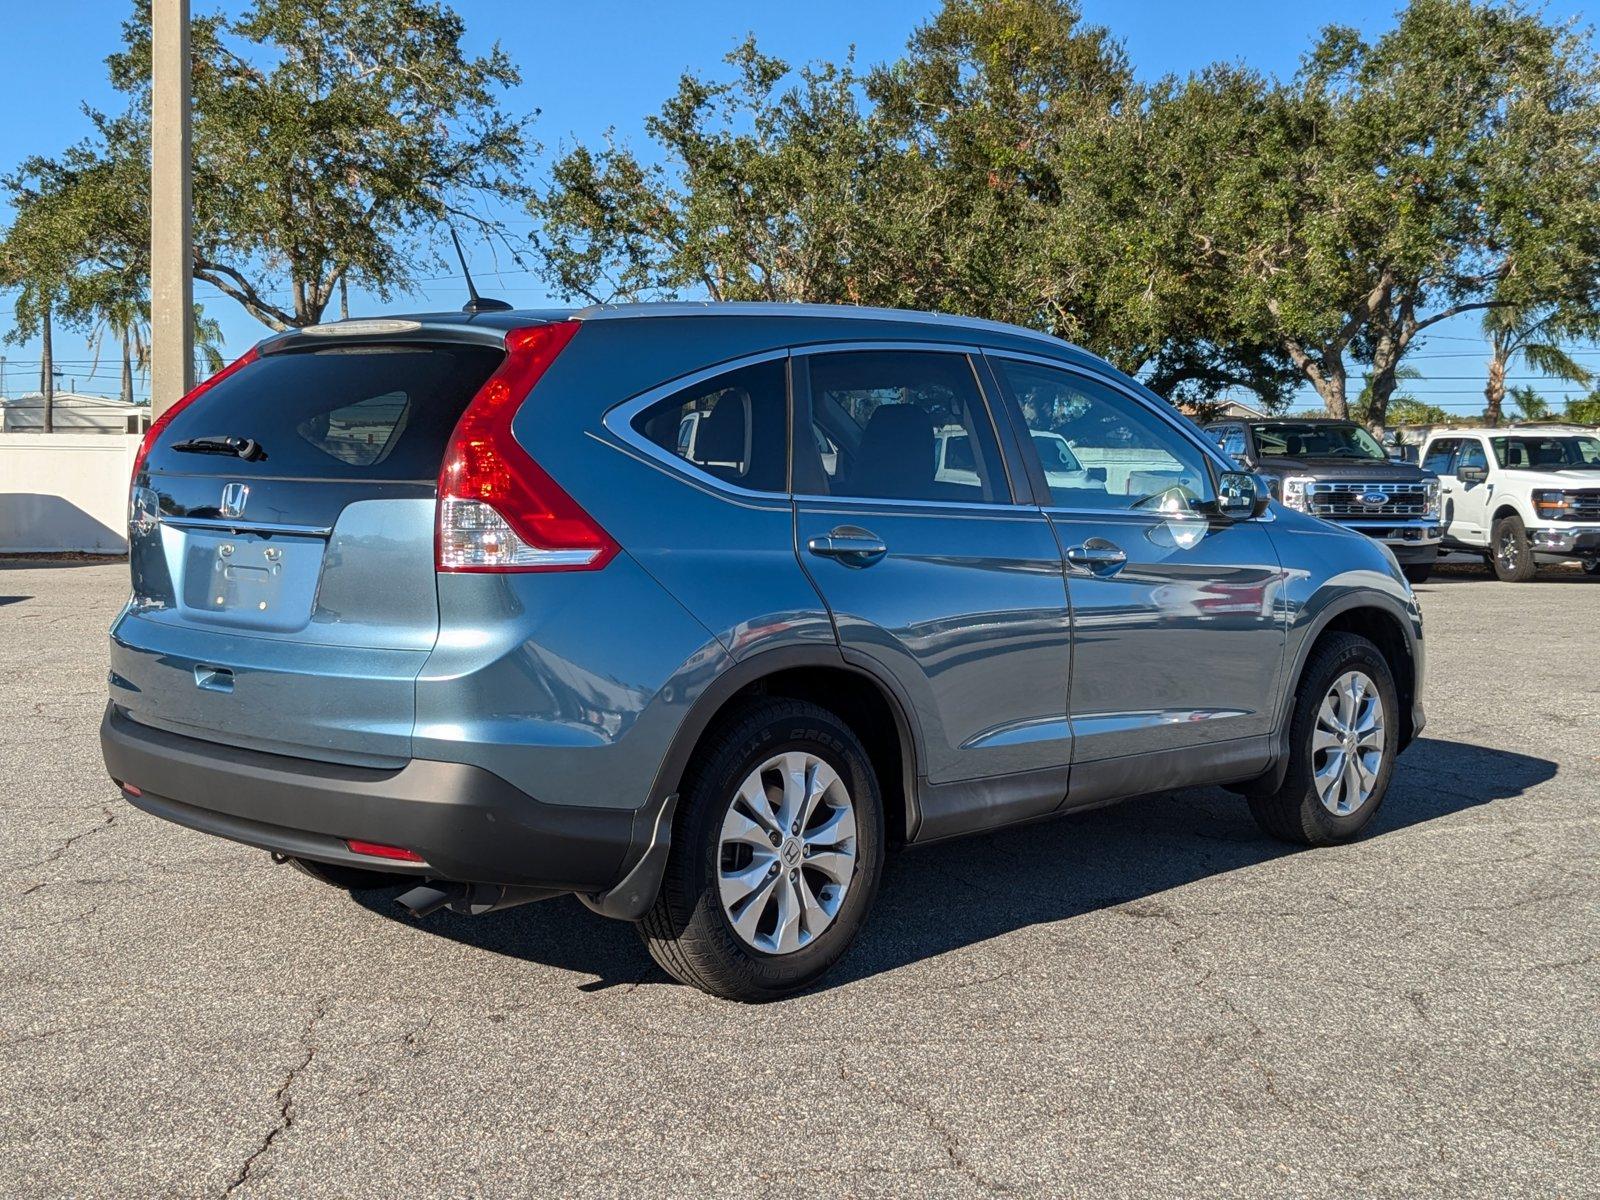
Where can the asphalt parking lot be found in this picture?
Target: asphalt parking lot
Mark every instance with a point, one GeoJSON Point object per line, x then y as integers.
{"type": "Point", "coordinates": [1145, 1000]}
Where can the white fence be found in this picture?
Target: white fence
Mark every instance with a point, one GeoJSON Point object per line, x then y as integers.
{"type": "Point", "coordinates": [65, 491]}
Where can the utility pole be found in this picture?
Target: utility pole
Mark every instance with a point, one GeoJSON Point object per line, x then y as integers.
{"type": "Point", "coordinates": [171, 222]}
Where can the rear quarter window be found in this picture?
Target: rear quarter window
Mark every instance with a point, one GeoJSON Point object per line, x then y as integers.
{"type": "Point", "coordinates": [336, 412]}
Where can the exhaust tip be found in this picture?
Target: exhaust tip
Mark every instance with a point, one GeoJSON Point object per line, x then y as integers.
{"type": "Point", "coordinates": [423, 899]}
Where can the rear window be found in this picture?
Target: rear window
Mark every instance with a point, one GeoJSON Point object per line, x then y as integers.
{"type": "Point", "coordinates": [338, 412]}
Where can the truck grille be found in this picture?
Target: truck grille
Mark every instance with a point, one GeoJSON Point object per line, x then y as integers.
{"type": "Point", "coordinates": [1585, 505]}
{"type": "Point", "coordinates": [1344, 499]}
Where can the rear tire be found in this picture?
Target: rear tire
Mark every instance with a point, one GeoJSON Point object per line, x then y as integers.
{"type": "Point", "coordinates": [756, 865]}
{"type": "Point", "coordinates": [1417, 572]}
{"type": "Point", "coordinates": [1343, 738]}
{"type": "Point", "coordinates": [1509, 552]}
{"type": "Point", "coordinates": [351, 879]}
{"type": "Point", "coordinates": [1591, 566]}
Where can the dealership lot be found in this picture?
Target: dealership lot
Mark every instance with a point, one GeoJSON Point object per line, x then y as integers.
{"type": "Point", "coordinates": [1149, 999]}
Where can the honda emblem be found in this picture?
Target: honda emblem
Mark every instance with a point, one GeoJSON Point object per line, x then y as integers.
{"type": "Point", "coordinates": [234, 496]}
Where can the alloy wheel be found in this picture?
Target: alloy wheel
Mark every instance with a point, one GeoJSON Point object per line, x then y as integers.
{"type": "Point", "coordinates": [786, 854]}
{"type": "Point", "coordinates": [1510, 550]}
{"type": "Point", "coordinates": [1347, 743]}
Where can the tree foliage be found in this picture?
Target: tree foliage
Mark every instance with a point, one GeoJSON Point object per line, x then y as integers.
{"type": "Point", "coordinates": [331, 137]}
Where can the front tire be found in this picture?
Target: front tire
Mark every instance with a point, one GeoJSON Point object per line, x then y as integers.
{"type": "Point", "coordinates": [1417, 572]}
{"type": "Point", "coordinates": [1343, 738]}
{"type": "Point", "coordinates": [1509, 552]}
{"type": "Point", "coordinates": [776, 854]}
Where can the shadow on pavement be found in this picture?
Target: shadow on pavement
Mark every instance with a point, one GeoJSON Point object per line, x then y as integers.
{"type": "Point", "coordinates": [957, 894]}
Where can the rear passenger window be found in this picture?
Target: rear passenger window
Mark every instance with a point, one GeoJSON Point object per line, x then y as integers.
{"type": "Point", "coordinates": [1101, 449]}
{"type": "Point", "coordinates": [734, 426]}
{"type": "Point", "coordinates": [902, 425]}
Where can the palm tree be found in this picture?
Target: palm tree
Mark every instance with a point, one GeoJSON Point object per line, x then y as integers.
{"type": "Point", "coordinates": [126, 323]}
{"type": "Point", "coordinates": [1534, 335]}
{"type": "Point", "coordinates": [1531, 406]}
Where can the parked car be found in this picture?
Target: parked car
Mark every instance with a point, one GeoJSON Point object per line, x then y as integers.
{"type": "Point", "coordinates": [1520, 495]}
{"type": "Point", "coordinates": [526, 636]}
{"type": "Point", "coordinates": [1338, 471]}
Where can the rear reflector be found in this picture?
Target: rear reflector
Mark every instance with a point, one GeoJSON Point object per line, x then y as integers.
{"type": "Point", "coordinates": [379, 850]}
{"type": "Point", "coordinates": [131, 790]}
{"type": "Point", "coordinates": [498, 509]}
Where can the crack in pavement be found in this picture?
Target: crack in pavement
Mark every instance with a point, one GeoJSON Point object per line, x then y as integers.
{"type": "Point", "coordinates": [947, 1137]}
{"type": "Point", "coordinates": [109, 818]}
{"type": "Point", "coordinates": [284, 1098]}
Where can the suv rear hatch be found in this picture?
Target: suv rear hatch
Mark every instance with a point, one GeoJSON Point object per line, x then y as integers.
{"type": "Point", "coordinates": [281, 540]}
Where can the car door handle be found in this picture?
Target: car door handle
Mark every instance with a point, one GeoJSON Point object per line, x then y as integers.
{"type": "Point", "coordinates": [853, 547]}
{"type": "Point", "coordinates": [1097, 554]}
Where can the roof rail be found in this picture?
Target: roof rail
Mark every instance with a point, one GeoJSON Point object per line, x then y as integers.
{"type": "Point", "coordinates": [736, 308]}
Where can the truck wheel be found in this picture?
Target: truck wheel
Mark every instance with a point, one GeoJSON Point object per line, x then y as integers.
{"type": "Point", "coordinates": [1343, 738]}
{"type": "Point", "coordinates": [1417, 572]}
{"type": "Point", "coordinates": [1510, 554]}
{"type": "Point", "coordinates": [776, 854]}
{"type": "Point", "coordinates": [1591, 566]}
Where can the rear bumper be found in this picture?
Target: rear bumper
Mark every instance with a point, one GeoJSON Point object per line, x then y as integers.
{"type": "Point", "coordinates": [467, 823]}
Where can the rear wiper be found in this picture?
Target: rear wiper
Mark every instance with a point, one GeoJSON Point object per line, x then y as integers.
{"type": "Point", "coordinates": [240, 447]}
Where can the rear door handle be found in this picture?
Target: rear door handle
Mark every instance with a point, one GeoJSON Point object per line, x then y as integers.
{"type": "Point", "coordinates": [1097, 554]}
{"type": "Point", "coordinates": [851, 546]}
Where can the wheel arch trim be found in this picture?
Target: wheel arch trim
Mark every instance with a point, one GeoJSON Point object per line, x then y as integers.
{"type": "Point", "coordinates": [653, 824]}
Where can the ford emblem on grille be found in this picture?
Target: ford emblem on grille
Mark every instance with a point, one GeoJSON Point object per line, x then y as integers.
{"type": "Point", "coordinates": [1374, 499]}
{"type": "Point", "coordinates": [233, 497]}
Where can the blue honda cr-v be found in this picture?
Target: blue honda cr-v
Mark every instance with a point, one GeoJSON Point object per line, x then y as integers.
{"type": "Point", "coordinates": [694, 610]}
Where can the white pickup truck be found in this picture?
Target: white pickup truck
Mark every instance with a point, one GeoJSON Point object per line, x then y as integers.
{"type": "Point", "coordinates": [1519, 495]}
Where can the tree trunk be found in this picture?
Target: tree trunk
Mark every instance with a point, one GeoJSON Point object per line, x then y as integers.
{"type": "Point", "coordinates": [127, 370]}
{"type": "Point", "coordinates": [47, 371]}
{"type": "Point", "coordinates": [1495, 390]}
{"type": "Point", "coordinates": [1377, 414]}
{"type": "Point", "coordinates": [1325, 372]}
{"type": "Point", "coordinates": [344, 299]}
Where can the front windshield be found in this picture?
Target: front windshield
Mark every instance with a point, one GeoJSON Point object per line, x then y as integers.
{"type": "Point", "coordinates": [1316, 439]}
{"type": "Point", "coordinates": [1530, 452]}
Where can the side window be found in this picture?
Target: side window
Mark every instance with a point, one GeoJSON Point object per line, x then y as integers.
{"type": "Point", "coordinates": [1472, 455]}
{"type": "Point", "coordinates": [734, 426]}
{"type": "Point", "coordinates": [1124, 456]}
{"type": "Point", "coordinates": [901, 425]}
{"type": "Point", "coordinates": [1441, 453]}
{"type": "Point", "coordinates": [1232, 440]}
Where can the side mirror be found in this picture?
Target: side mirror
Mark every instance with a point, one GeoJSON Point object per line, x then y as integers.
{"type": "Point", "coordinates": [1472, 474]}
{"type": "Point", "coordinates": [1240, 496]}
{"type": "Point", "coordinates": [1097, 474]}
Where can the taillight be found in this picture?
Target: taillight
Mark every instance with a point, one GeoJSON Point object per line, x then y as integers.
{"type": "Point", "coordinates": [165, 419]}
{"type": "Point", "coordinates": [498, 510]}
{"type": "Point", "coordinates": [380, 850]}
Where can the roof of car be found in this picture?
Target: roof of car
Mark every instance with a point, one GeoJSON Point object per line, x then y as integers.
{"type": "Point", "coordinates": [516, 318]}
{"type": "Point", "coordinates": [1294, 420]}
{"type": "Point", "coordinates": [1503, 430]}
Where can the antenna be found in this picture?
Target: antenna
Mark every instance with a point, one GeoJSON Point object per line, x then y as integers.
{"type": "Point", "coordinates": [477, 303]}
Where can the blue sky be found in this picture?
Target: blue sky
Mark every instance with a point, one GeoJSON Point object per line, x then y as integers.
{"type": "Point", "coordinates": [603, 63]}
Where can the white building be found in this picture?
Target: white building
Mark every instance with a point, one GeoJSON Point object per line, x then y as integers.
{"type": "Point", "coordinates": [73, 412]}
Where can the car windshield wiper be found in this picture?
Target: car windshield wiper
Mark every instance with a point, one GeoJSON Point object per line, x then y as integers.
{"type": "Point", "coordinates": [239, 447]}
